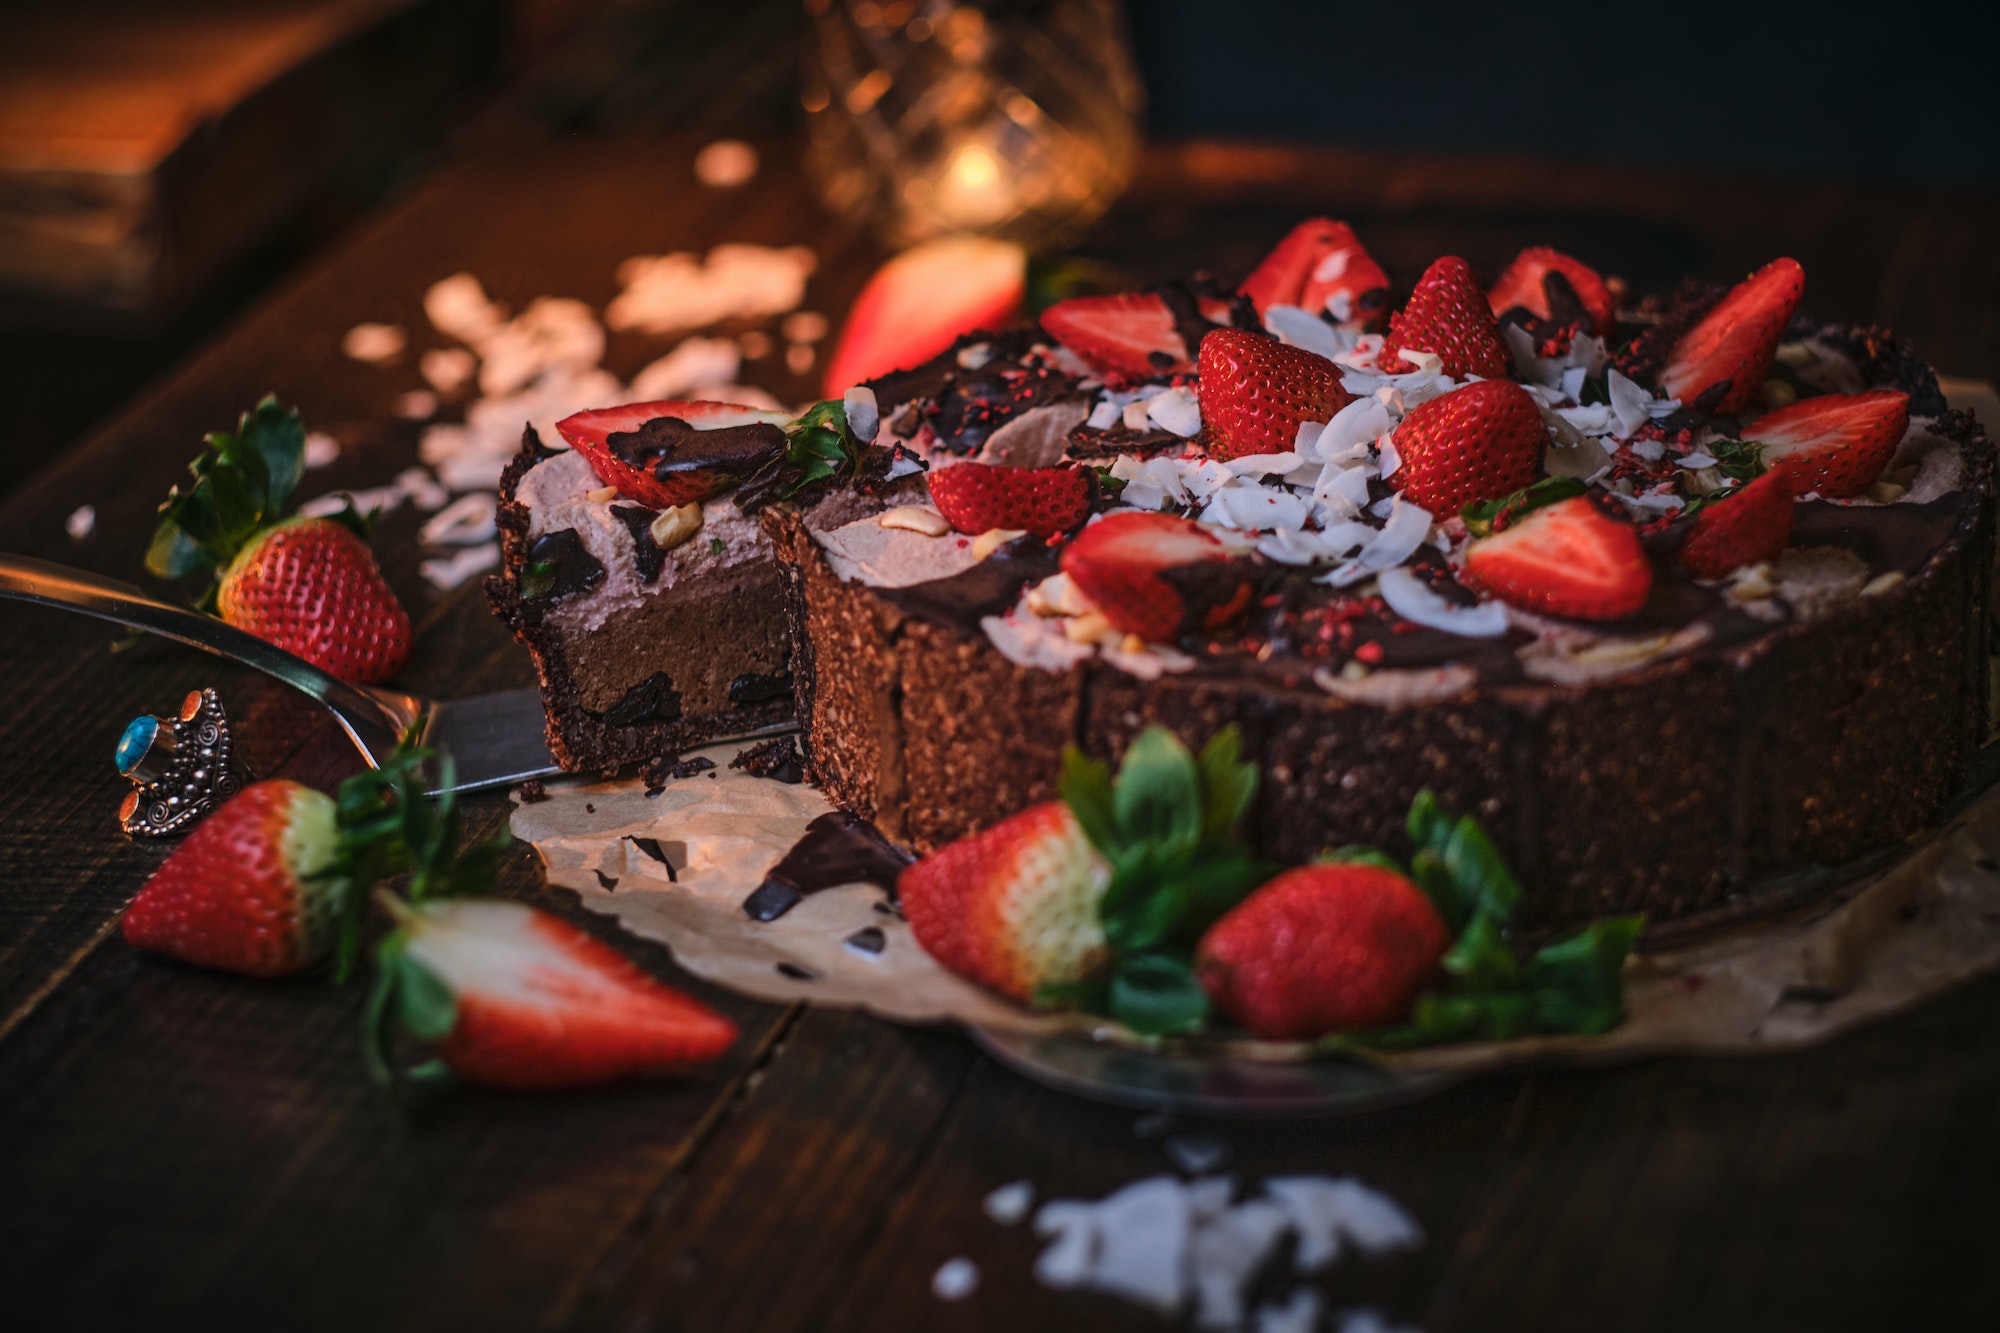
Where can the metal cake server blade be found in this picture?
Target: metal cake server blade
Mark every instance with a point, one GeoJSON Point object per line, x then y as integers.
{"type": "Point", "coordinates": [493, 739]}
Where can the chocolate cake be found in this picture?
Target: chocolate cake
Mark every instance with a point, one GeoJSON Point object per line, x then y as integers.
{"type": "Point", "coordinates": [1793, 707]}
{"type": "Point", "coordinates": [1803, 713]}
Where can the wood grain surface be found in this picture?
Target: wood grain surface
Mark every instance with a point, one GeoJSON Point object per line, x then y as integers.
{"type": "Point", "coordinates": [187, 1149]}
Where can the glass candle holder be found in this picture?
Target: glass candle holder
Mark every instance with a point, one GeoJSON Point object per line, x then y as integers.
{"type": "Point", "coordinates": [1013, 120]}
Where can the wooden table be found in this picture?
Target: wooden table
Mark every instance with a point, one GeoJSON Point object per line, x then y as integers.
{"type": "Point", "coordinates": [180, 1144]}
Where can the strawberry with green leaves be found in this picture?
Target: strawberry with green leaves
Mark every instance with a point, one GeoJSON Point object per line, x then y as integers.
{"type": "Point", "coordinates": [309, 585]}
{"type": "Point", "coordinates": [512, 997]}
{"type": "Point", "coordinates": [979, 497]}
{"type": "Point", "coordinates": [1098, 898]}
{"type": "Point", "coordinates": [1447, 314]}
{"type": "Point", "coordinates": [1476, 443]}
{"type": "Point", "coordinates": [1256, 391]}
{"type": "Point", "coordinates": [1322, 948]}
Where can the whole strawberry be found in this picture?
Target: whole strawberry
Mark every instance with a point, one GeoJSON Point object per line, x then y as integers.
{"type": "Point", "coordinates": [308, 585]}
{"type": "Point", "coordinates": [1718, 366]}
{"type": "Point", "coordinates": [1323, 948]}
{"type": "Point", "coordinates": [1015, 907]}
{"type": "Point", "coordinates": [1447, 314]}
{"type": "Point", "coordinates": [1752, 524]}
{"type": "Point", "coordinates": [1255, 391]}
{"type": "Point", "coordinates": [311, 586]}
{"type": "Point", "coordinates": [512, 997]}
{"type": "Point", "coordinates": [1476, 443]}
{"type": "Point", "coordinates": [254, 889]}
{"type": "Point", "coordinates": [978, 497]}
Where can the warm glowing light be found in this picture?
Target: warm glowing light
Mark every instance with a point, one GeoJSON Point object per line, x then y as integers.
{"type": "Point", "coordinates": [974, 191]}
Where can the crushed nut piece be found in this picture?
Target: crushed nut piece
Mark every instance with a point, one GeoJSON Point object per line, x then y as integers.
{"type": "Point", "coordinates": [991, 540]}
{"type": "Point", "coordinates": [1088, 628]}
{"type": "Point", "coordinates": [915, 518]}
{"type": "Point", "coordinates": [1881, 583]}
{"type": "Point", "coordinates": [676, 525]}
{"type": "Point", "coordinates": [602, 495]}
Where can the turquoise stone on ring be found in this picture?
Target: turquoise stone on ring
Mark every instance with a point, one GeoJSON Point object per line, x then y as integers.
{"type": "Point", "coordinates": [138, 739]}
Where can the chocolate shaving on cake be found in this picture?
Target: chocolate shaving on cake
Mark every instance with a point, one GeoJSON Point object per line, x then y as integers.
{"type": "Point", "coordinates": [653, 699]}
{"type": "Point", "coordinates": [777, 759]}
{"type": "Point", "coordinates": [646, 553]}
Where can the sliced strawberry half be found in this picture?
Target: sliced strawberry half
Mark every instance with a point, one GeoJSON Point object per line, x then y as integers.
{"type": "Point", "coordinates": [1753, 524]}
{"type": "Point", "coordinates": [1255, 391]}
{"type": "Point", "coordinates": [1132, 333]}
{"type": "Point", "coordinates": [978, 497]}
{"type": "Point", "coordinates": [1122, 561]}
{"type": "Point", "coordinates": [513, 997]}
{"type": "Point", "coordinates": [1318, 260]}
{"type": "Point", "coordinates": [1567, 559]}
{"type": "Point", "coordinates": [1524, 284]}
{"type": "Point", "coordinates": [1719, 365]}
{"type": "Point", "coordinates": [639, 467]}
{"type": "Point", "coordinates": [919, 302]}
{"type": "Point", "coordinates": [1447, 314]}
{"type": "Point", "coordinates": [1836, 444]}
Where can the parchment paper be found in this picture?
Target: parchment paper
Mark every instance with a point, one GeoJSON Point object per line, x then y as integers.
{"type": "Point", "coordinates": [1929, 923]}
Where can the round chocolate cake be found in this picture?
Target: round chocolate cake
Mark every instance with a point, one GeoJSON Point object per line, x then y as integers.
{"type": "Point", "coordinates": [1726, 619]}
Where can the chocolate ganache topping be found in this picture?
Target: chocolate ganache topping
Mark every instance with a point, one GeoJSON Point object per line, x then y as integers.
{"type": "Point", "coordinates": [669, 447]}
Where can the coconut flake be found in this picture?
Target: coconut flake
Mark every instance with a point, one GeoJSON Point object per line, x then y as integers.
{"type": "Point", "coordinates": [466, 520]}
{"type": "Point", "coordinates": [1067, 1262]}
{"type": "Point", "coordinates": [696, 363]}
{"type": "Point", "coordinates": [1104, 415]}
{"type": "Point", "coordinates": [1225, 1253]}
{"type": "Point", "coordinates": [1143, 1233]}
{"type": "Point", "coordinates": [955, 1279]}
{"type": "Point", "coordinates": [81, 522]}
{"type": "Point", "coordinates": [864, 417]}
{"type": "Point", "coordinates": [1414, 600]}
{"type": "Point", "coordinates": [1628, 404]}
{"type": "Point", "coordinates": [1030, 641]}
{"type": "Point", "coordinates": [1696, 460]}
{"type": "Point", "coordinates": [1297, 327]}
{"type": "Point", "coordinates": [1009, 1203]}
{"type": "Point", "coordinates": [1327, 1212]}
{"type": "Point", "coordinates": [1176, 411]}
{"type": "Point", "coordinates": [447, 572]}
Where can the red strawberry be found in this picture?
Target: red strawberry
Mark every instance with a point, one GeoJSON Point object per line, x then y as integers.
{"type": "Point", "coordinates": [1255, 391]}
{"type": "Point", "coordinates": [515, 998]}
{"type": "Point", "coordinates": [1753, 524]}
{"type": "Point", "coordinates": [244, 891]}
{"type": "Point", "coordinates": [1119, 562]}
{"type": "Point", "coordinates": [919, 302]}
{"type": "Point", "coordinates": [1567, 559]}
{"type": "Point", "coordinates": [977, 497]}
{"type": "Point", "coordinates": [310, 586]}
{"type": "Point", "coordinates": [1015, 907]}
{"type": "Point", "coordinates": [1476, 443]}
{"type": "Point", "coordinates": [661, 466]}
{"type": "Point", "coordinates": [1718, 366]}
{"type": "Point", "coordinates": [1318, 260]}
{"type": "Point", "coordinates": [1133, 333]}
{"type": "Point", "coordinates": [1323, 948]}
{"type": "Point", "coordinates": [1522, 283]}
{"type": "Point", "coordinates": [1836, 444]}
{"type": "Point", "coordinates": [1447, 314]}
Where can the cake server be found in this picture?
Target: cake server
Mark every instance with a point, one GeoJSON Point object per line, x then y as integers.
{"type": "Point", "coordinates": [493, 739]}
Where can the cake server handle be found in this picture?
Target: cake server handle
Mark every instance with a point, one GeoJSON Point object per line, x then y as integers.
{"type": "Point", "coordinates": [373, 719]}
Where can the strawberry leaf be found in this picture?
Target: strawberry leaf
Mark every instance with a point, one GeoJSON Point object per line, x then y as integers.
{"type": "Point", "coordinates": [1157, 995]}
{"type": "Point", "coordinates": [1482, 876]}
{"type": "Point", "coordinates": [1086, 786]}
{"type": "Point", "coordinates": [424, 1004]}
{"type": "Point", "coordinates": [1227, 782]}
{"type": "Point", "coordinates": [1575, 979]}
{"type": "Point", "coordinates": [1481, 959]}
{"type": "Point", "coordinates": [1484, 518]}
{"type": "Point", "coordinates": [243, 483]}
{"type": "Point", "coordinates": [1158, 795]}
{"type": "Point", "coordinates": [1357, 855]}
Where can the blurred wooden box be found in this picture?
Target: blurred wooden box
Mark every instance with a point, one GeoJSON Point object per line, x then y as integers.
{"type": "Point", "coordinates": [146, 145]}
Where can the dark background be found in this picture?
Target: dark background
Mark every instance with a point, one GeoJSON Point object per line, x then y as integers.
{"type": "Point", "coordinates": [1895, 96]}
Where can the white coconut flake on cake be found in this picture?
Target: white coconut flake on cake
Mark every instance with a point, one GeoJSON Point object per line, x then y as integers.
{"type": "Point", "coordinates": [1301, 328]}
{"type": "Point", "coordinates": [1629, 404]}
{"type": "Point", "coordinates": [1414, 600]}
{"type": "Point", "coordinates": [882, 556]}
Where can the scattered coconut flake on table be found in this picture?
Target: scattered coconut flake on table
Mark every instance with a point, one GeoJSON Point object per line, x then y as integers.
{"type": "Point", "coordinates": [668, 293]}
{"type": "Point", "coordinates": [447, 369]}
{"type": "Point", "coordinates": [459, 307]}
{"type": "Point", "coordinates": [374, 343]}
{"type": "Point", "coordinates": [1163, 1243]}
{"type": "Point", "coordinates": [803, 326]}
{"type": "Point", "coordinates": [447, 572]}
{"type": "Point", "coordinates": [725, 164]}
{"type": "Point", "coordinates": [80, 522]}
{"type": "Point", "coordinates": [955, 1279]}
{"type": "Point", "coordinates": [321, 449]}
{"type": "Point", "coordinates": [417, 405]}
{"type": "Point", "coordinates": [696, 363]}
{"type": "Point", "coordinates": [1010, 1203]}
